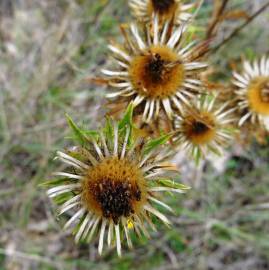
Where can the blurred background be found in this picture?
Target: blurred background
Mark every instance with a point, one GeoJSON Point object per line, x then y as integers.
{"type": "Point", "coordinates": [49, 50]}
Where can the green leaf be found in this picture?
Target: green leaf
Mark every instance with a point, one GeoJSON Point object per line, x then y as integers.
{"type": "Point", "coordinates": [198, 157]}
{"type": "Point", "coordinates": [108, 130]}
{"type": "Point", "coordinates": [87, 133]}
{"type": "Point", "coordinates": [156, 142]}
{"type": "Point", "coordinates": [215, 151]}
{"type": "Point", "coordinates": [79, 134]}
{"type": "Point", "coordinates": [127, 118]}
{"type": "Point", "coordinates": [54, 182]}
{"type": "Point", "coordinates": [172, 184]}
{"type": "Point", "coordinates": [90, 133]}
{"type": "Point", "coordinates": [62, 198]}
{"type": "Point", "coordinates": [231, 130]}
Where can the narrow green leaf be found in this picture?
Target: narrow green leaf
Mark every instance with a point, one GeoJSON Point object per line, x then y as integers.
{"type": "Point", "coordinates": [215, 151]}
{"type": "Point", "coordinates": [91, 133]}
{"type": "Point", "coordinates": [198, 157]}
{"type": "Point", "coordinates": [79, 135]}
{"type": "Point", "coordinates": [62, 198]}
{"type": "Point", "coordinates": [127, 118]}
{"type": "Point", "coordinates": [172, 184]}
{"type": "Point", "coordinates": [53, 182]}
{"type": "Point", "coordinates": [108, 130]}
{"type": "Point", "coordinates": [156, 142]}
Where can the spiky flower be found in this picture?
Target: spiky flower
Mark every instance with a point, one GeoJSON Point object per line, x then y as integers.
{"type": "Point", "coordinates": [159, 72]}
{"type": "Point", "coordinates": [167, 10]}
{"type": "Point", "coordinates": [112, 184]}
{"type": "Point", "coordinates": [204, 128]}
{"type": "Point", "coordinates": [253, 92]}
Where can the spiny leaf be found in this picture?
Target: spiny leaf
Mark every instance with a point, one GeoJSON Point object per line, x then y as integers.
{"type": "Point", "coordinates": [172, 184]}
{"type": "Point", "coordinates": [127, 118]}
{"type": "Point", "coordinates": [197, 157]}
{"type": "Point", "coordinates": [62, 198]}
{"type": "Point", "coordinates": [215, 151]}
{"type": "Point", "coordinates": [231, 130]}
{"type": "Point", "coordinates": [53, 182]}
{"type": "Point", "coordinates": [108, 129]}
{"type": "Point", "coordinates": [87, 133]}
{"type": "Point", "coordinates": [156, 142]}
{"type": "Point", "coordinates": [90, 133]}
{"type": "Point", "coordinates": [79, 135]}
{"type": "Point", "coordinates": [237, 14]}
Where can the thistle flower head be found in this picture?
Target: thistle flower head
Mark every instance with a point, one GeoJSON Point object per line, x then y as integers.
{"type": "Point", "coordinates": [112, 183]}
{"type": "Point", "coordinates": [157, 72]}
{"type": "Point", "coordinates": [167, 10]}
{"type": "Point", "coordinates": [253, 91]}
{"type": "Point", "coordinates": [203, 128]}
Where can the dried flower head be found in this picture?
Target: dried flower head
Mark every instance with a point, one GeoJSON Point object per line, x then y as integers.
{"type": "Point", "coordinates": [167, 10]}
{"type": "Point", "coordinates": [253, 92]}
{"type": "Point", "coordinates": [112, 183]}
{"type": "Point", "coordinates": [158, 73]}
{"type": "Point", "coordinates": [204, 128]}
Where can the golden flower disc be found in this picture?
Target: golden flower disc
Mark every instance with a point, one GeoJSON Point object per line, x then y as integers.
{"type": "Point", "coordinates": [258, 95]}
{"type": "Point", "coordinates": [165, 8]}
{"type": "Point", "coordinates": [199, 130]}
{"type": "Point", "coordinates": [157, 73]}
{"type": "Point", "coordinates": [114, 188]}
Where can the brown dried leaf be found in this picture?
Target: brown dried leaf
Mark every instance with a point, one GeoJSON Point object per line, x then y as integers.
{"type": "Point", "coordinates": [235, 15]}
{"type": "Point", "coordinates": [98, 81]}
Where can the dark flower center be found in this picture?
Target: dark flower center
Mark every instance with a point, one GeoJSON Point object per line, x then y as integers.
{"type": "Point", "coordinates": [199, 128]}
{"type": "Point", "coordinates": [155, 68]}
{"type": "Point", "coordinates": [162, 6]}
{"type": "Point", "coordinates": [116, 198]}
{"type": "Point", "coordinates": [157, 73]}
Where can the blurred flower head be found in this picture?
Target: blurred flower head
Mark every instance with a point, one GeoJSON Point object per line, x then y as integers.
{"type": "Point", "coordinates": [204, 127]}
{"type": "Point", "coordinates": [112, 183]}
{"type": "Point", "coordinates": [157, 71]}
{"type": "Point", "coordinates": [253, 91]}
{"type": "Point", "coordinates": [167, 10]}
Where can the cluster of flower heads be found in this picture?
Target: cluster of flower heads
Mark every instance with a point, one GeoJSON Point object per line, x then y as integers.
{"type": "Point", "coordinates": [113, 178]}
{"type": "Point", "coordinates": [159, 68]}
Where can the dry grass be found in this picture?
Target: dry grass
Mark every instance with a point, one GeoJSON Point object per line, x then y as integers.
{"type": "Point", "coordinates": [48, 49]}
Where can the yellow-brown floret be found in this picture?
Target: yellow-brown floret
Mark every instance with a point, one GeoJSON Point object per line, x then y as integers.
{"type": "Point", "coordinates": [114, 188]}
{"type": "Point", "coordinates": [258, 95]}
{"type": "Point", "coordinates": [157, 73]}
{"type": "Point", "coordinates": [199, 130]}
